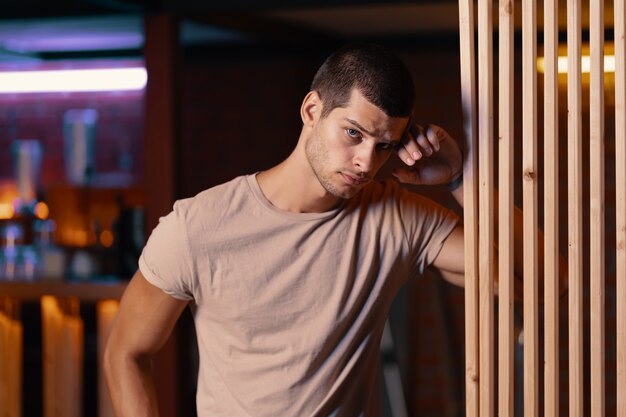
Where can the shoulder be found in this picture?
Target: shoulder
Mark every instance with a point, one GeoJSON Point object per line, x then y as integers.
{"type": "Point", "coordinates": [235, 186]}
{"type": "Point", "coordinates": [213, 198]}
{"type": "Point", "coordinates": [390, 197]}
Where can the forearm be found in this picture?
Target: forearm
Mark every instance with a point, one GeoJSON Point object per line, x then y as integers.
{"type": "Point", "coordinates": [131, 385]}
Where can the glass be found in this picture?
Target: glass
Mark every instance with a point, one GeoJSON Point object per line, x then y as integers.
{"type": "Point", "coordinates": [79, 135]}
{"type": "Point", "coordinates": [26, 155]}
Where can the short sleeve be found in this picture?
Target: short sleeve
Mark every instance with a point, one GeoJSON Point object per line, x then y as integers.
{"type": "Point", "coordinates": [165, 260]}
{"type": "Point", "coordinates": [427, 225]}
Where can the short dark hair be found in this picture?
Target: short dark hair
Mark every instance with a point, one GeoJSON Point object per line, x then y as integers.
{"type": "Point", "coordinates": [378, 74]}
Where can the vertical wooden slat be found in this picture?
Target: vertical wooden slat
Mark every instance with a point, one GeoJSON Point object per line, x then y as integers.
{"type": "Point", "coordinates": [505, 211]}
{"type": "Point", "coordinates": [485, 204]}
{"type": "Point", "coordinates": [551, 210]}
{"type": "Point", "coordinates": [596, 204]}
{"type": "Point", "coordinates": [529, 189]}
{"type": "Point", "coordinates": [470, 204]}
{"type": "Point", "coordinates": [620, 197]}
{"type": "Point", "coordinates": [575, 205]}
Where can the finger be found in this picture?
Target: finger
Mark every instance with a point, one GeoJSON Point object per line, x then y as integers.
{"type": "Point", "coordinates": [424, 141]}
{"type": "Point", "coordinates": [410, 142]}
{"type": "Point", "coordinates": [403, 154]}
{"type": "Point", "coordinates": [434, 135]}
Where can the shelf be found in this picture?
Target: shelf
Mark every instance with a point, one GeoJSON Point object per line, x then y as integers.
{"type": "Point", "coordinates": [85, 291]}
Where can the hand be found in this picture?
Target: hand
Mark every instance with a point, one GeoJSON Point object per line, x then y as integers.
{"type": "Point", "coordinates": [432, 155]}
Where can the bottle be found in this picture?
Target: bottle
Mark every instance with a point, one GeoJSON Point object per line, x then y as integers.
{"type": "Point", "coordinates": [51, 256]}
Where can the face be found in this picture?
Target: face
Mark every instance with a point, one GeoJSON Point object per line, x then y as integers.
{"type": "Point", "coordinates": [347, 148]}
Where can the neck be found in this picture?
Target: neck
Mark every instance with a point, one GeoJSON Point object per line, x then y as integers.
{"type": "Point", "coordinates": [292, 186]}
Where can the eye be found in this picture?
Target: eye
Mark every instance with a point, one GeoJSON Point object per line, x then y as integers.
{"type": "Point", "coordinates": [353, 133]}
{"type": "Point", "coordinates": [385, 146]}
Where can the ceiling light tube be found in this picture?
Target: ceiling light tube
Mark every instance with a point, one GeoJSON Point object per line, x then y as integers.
{"type": "Point", "coordinates": [74, 80]}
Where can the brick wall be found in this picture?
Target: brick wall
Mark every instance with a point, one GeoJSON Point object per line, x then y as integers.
{"type": "Point", "coordinates": [40, 116]}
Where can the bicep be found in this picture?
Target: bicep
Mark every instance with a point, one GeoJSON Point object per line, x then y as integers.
{"type": "Point", "coordinates": [145, 319]}
{"type": "Point", "coordinates": [451, 260]}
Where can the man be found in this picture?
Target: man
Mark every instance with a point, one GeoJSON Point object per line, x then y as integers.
{"type": "Point", "coordinates": [290, 272]}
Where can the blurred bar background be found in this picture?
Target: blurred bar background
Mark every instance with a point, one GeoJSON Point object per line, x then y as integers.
{"type": "Point", "coordinates": [85, 174]}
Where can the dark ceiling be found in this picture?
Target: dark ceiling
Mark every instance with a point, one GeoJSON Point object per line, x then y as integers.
{"type": "Point", "coordinates": [40, 29]}
{"type": "Point", "coordinates": [62, 8]}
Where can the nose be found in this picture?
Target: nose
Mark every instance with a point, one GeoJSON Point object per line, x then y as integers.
{"type": "Point", "coordinates": [365, 158]}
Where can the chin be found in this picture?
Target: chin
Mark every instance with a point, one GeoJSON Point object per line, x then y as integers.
{"type": "Point", "coordinates": [338, 188]}
{"type": "Point", "coordinates": [342, 192]}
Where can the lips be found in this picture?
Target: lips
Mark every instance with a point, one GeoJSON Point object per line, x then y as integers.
{"type": "Point", "coordinates": [354, 179]}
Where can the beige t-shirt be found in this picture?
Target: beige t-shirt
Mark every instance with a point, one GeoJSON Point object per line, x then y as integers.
{"type": "Point", "coordinates": [289, 308]}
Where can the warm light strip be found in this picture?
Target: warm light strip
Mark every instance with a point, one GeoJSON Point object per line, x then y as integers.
{"type": "Point", "coordinates": [585, 64]}
{"type": "Point", "coordinates": [111, 79]}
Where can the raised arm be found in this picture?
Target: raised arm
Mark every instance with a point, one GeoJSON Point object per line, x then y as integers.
{"type": "Point", "coordinates": [145, 320]}
{"type": "Point", "coordinates": [433, 157]}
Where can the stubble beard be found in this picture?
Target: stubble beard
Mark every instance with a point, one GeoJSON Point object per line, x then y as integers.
{"type": "Point", "coordinates": [317, 156]}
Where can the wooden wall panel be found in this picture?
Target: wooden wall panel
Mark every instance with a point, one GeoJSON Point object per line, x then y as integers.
{"type": "Point", "coordinates": [505, 209]}
{"type": "Point", "coordinates": [551, 210]}
{"type": "Point", "coordinates": [470, 211]}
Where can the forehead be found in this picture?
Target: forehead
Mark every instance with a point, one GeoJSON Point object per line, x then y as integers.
{"type": "Point", "coordinates": [371, 118]}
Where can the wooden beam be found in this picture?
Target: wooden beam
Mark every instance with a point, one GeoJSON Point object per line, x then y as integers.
{"type": "Point", "coordinates": [596, 205]}
{"type": "Point", "coordinates": [485, 211]}
{"type": "Point", "coordinates": [551, 210]}
{"type": "Point", "coordinates": [620, 199]}
{"type": "Point", "coordinates": [161, 52]}
{"type": "Point", "coordinates": [529, 188]}
{"type": "Point", "coordinates": [470, 211]}
{"type": "Point", "coordinates": [160, 127]}
{"type": "Point", "coordinates": [505, 210]}
{"type": "Point", "coordinates": [575, 206]}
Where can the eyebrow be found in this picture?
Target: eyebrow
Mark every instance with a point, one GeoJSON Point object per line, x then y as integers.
{"type": "Point", "coordinates": [360, 127]}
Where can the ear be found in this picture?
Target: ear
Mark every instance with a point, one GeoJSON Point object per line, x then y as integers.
{"type": "Point", "coordinates": [311, 108]}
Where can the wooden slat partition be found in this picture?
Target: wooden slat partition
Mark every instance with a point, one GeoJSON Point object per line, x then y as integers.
{"type": "Point", "coordinates": [551, 210]}
{"type": "Point", "coordinates": [575, 206]}
{"type": "Point", "coordinates": [529, 188]}
{"type": "Point", "coordinates": [485, 205]}
{"type": "Point", "coordinates": [468, 99]}
{"type": "Point", "coordinates": [481, 355]}
{"type": "Point", "coordinates": [505, 210]}
{"type": "Point", "coordinates": [596, 160]}
{"type": "Point", "coordinates": [620, 200]}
